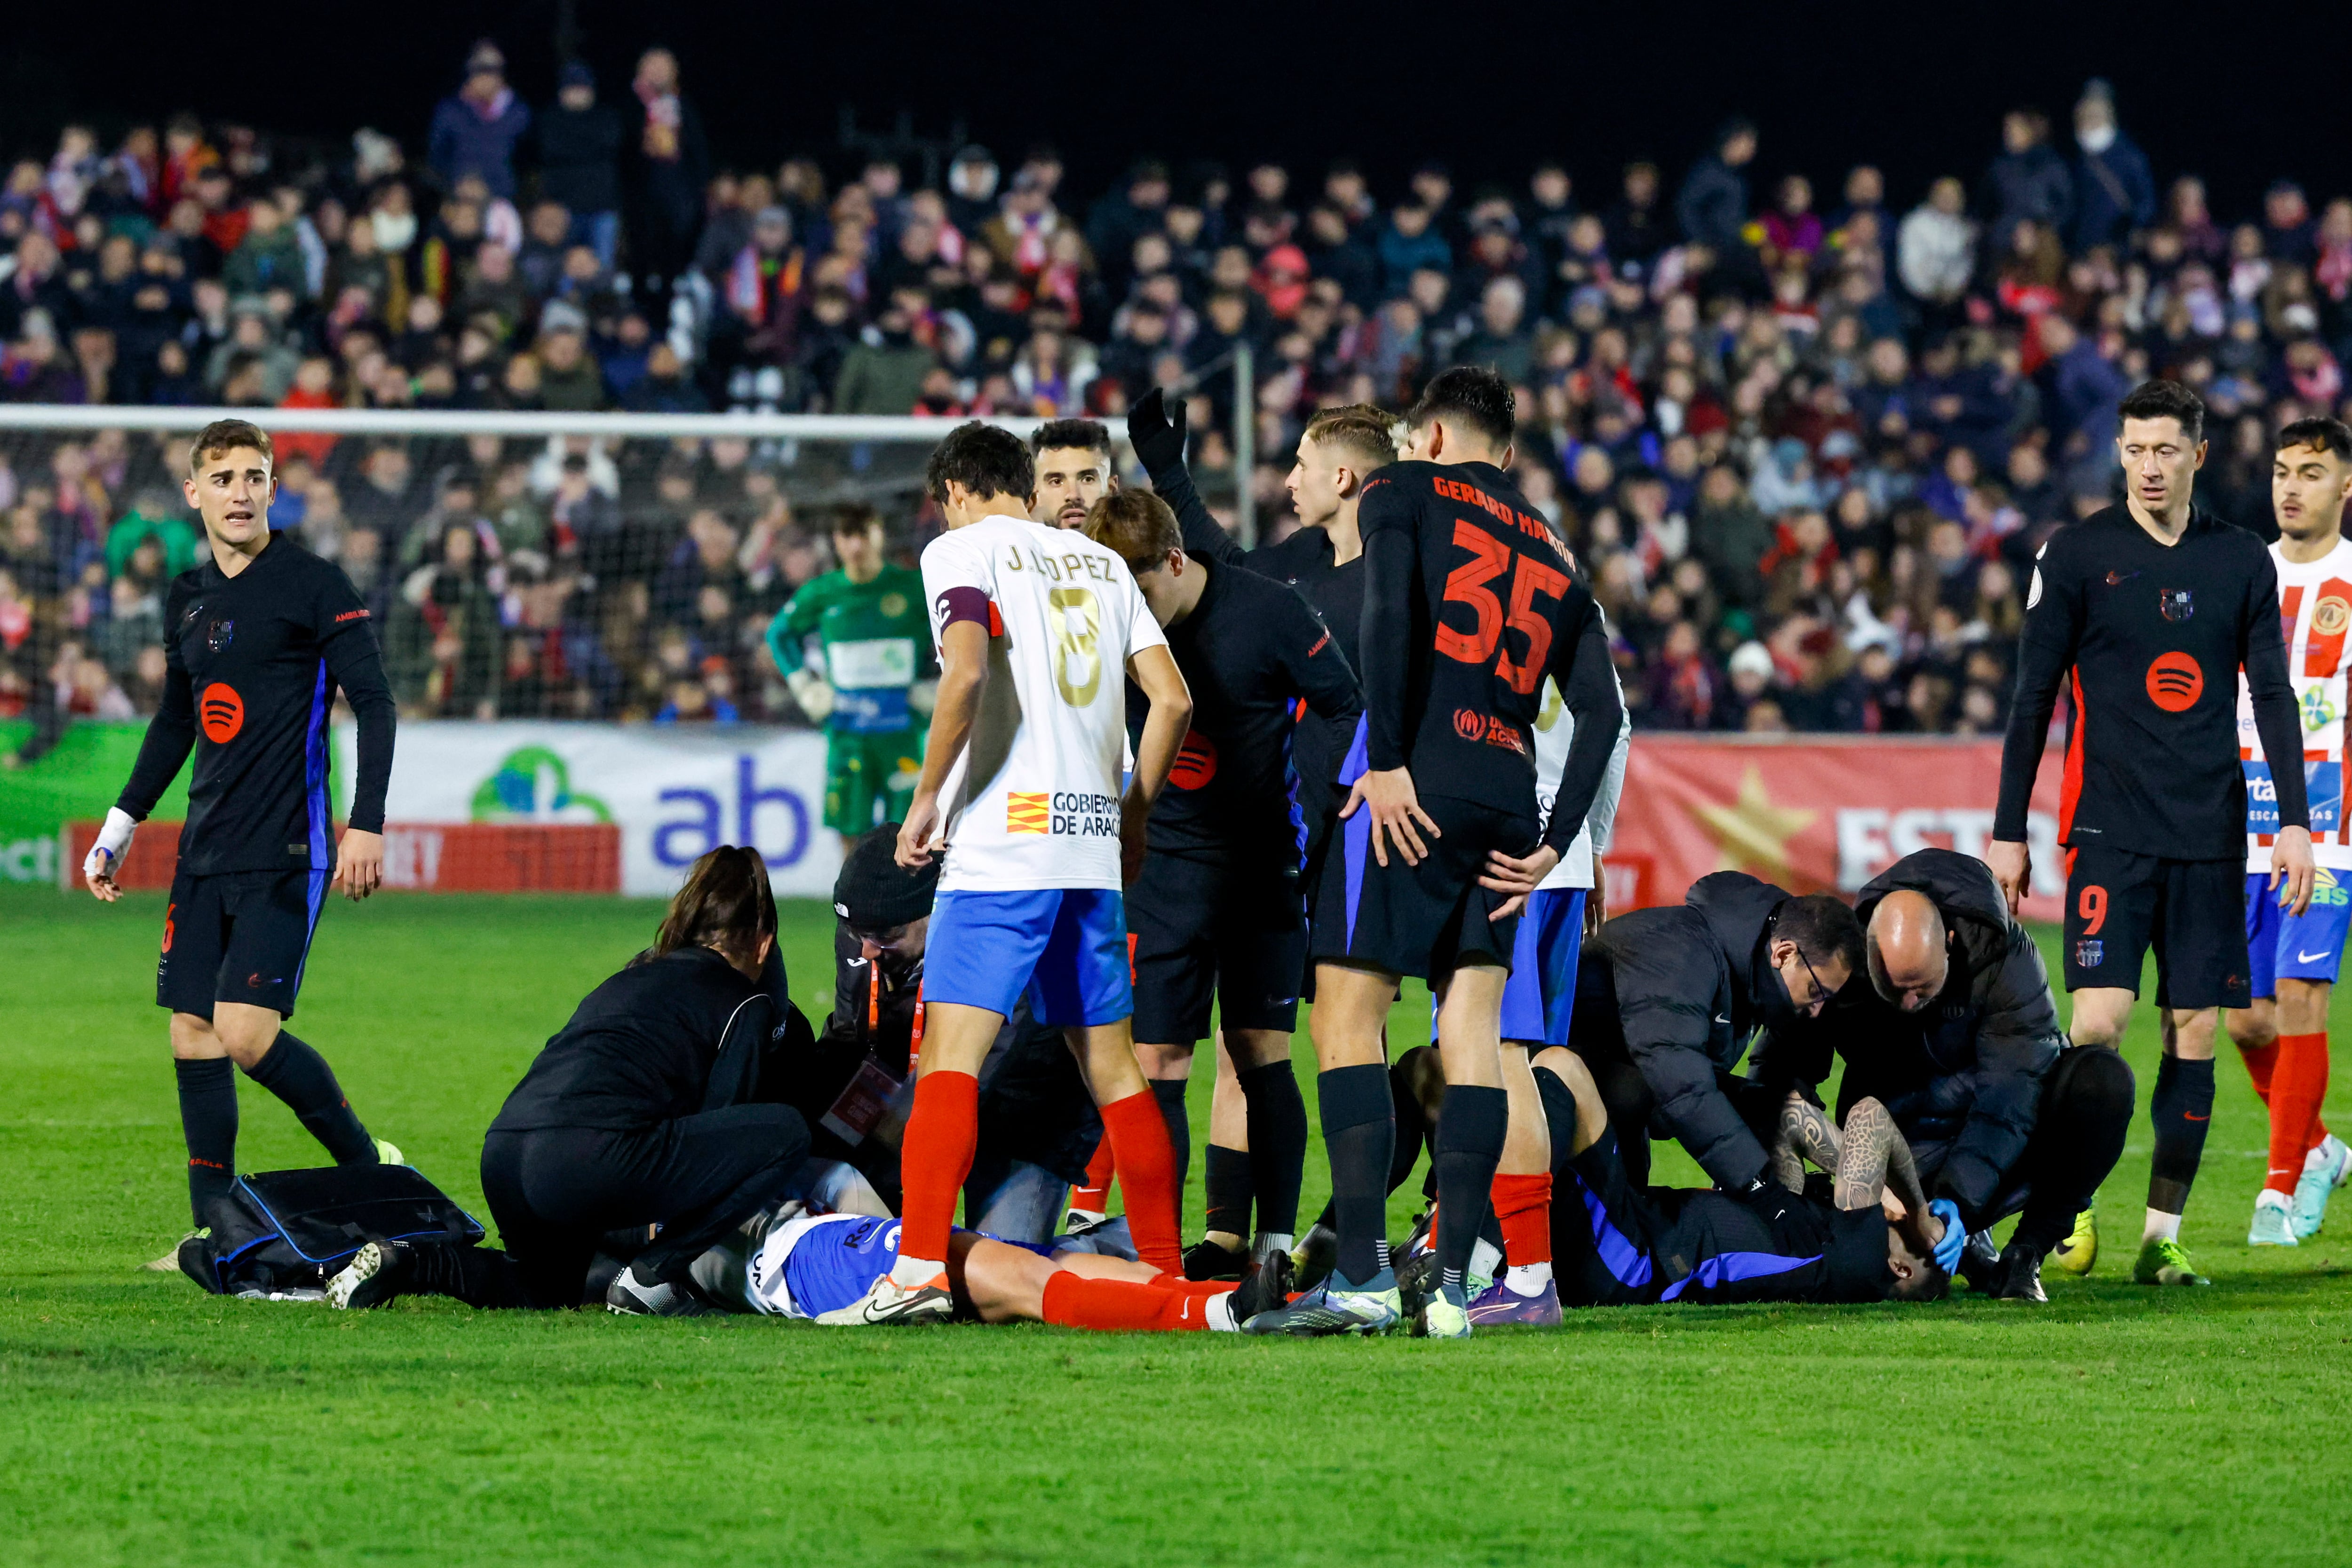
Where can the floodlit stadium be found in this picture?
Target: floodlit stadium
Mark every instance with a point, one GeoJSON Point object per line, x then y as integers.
{"type": "Point", "coordinates": [939, 792]}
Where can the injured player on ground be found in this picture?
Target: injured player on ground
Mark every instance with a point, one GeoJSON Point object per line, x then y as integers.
{"type": "Point", "coordinates": [785, 1263]}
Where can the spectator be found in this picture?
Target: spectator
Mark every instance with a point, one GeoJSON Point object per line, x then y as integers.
{"type": "Point", "coordinates": [884, 373]}
{"type": "Point", "coordinates": [579, 147]}
{"type": "Point", "coordinates": [670, 164]}
{"type": "Point", "coordinates": [569, 381]}
{"type": "Point", "coordinates": [1712, 205]}
{"type": "Point", "coordinates": [2115, 193]}
{"type": "Point", "coordinates": [2029, 182]}
{"type": "Point", "coordinates": [475, 130]}
{"type": "Point", "coordinates": [1936, 248]}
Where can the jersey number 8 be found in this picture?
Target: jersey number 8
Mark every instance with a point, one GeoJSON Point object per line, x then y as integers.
{"type": "Point", "coordinates": [1077, 622]}
{"type": "Point", "coordinates": [1490, 558]}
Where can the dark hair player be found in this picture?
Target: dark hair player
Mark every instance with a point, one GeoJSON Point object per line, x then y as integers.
{"type": "Point", "coordinates": [2146, 610]}
{"type": "Point", "coordinates": [1470, 600]}
{"type": "Point", "coordinates": [260, 640]}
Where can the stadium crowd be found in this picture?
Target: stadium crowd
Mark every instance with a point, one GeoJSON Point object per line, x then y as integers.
{"type": "Point", "coordinates": [1805, 438]}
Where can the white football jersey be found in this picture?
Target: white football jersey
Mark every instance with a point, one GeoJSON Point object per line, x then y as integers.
{"type": "Point", "coordinates": [1555, 733]}
{"type": "Point", "coordinates": [1033, 802]}
{"type": "Point", "coordinates": [2315, 615]}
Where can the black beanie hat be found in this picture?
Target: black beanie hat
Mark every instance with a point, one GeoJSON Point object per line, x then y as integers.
{"type": "Point", "coordinates": [874, 891]}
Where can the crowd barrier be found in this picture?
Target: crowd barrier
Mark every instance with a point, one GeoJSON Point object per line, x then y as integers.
{"type": "Point", "coordinates": [589, 808]}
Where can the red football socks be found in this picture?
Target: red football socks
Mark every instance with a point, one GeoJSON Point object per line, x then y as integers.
{"type": "Point", "coordinates": [1138, 1137]}
{"type": "Point", "coordinates": [1523, 1208]}
{"type": "Point", "coordinates": [934, 1157]}
{"type": "Point", "coordinates": [1095, 1197]}
{"type": "Point", "coordinates": [1075, 1302]}
{"type": "Point", "coordinates": [2261, 1062]}
{"type": "Point", "coordinates": [2298, 1084]}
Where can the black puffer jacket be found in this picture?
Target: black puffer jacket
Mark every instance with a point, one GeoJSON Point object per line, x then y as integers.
{"type": "Point", "coordinates": [1692, 985]}
{"type": "Point", "coordinates": [1963, 1075]}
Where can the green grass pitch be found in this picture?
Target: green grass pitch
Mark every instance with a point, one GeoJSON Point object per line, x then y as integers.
{"type": "Point", "coordinates": [143, 1423]}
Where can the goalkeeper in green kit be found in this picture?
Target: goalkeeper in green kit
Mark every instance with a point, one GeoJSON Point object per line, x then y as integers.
{"type": "Point", "coordinates": [872, 684]}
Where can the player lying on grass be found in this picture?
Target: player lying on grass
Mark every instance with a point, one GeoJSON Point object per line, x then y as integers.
{"type": "Point", "coordinates": [1619, 1244]}
{"type": "Point", "coordinates": [821, 1267]}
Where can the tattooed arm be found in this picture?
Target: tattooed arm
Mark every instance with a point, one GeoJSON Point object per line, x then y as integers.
{"type": "Point", "coordinates": [1875, 1161]}
{"type": "Point", "coordinates": [1805, 1133]}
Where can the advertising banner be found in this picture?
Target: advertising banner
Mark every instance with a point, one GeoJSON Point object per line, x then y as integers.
{"type": "Point", "coordinates": [77, 780]}
{"type": "Point", "coordinates": [1818, 813]}
{"type": "Point", "coordinates": [670, 793]}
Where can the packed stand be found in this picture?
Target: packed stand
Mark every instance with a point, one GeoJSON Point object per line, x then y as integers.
{"type": "Point", "coordinates": [1807, 447]}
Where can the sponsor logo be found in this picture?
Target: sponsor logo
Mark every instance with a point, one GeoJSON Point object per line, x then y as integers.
{"type": "Point", "coordinates": [220, 712]}
{"type": "Point", "coordinates": [2176, 603]}
{"type": "Point", "coordinates": [1320, 643]}
{"type": "Point", "coordinates": [2115, 579]}
{"type": "Point", "coordinates": [351, 615]}
{"type": "Point", "coordinates": [220, 634]}
{"type": "Point", "coordinates": [2174, 681]}
{"type": "Point", "coordinates": [1471, 725]}
{"type": "Point", "coordinates": [1025, 812]}
{"type": "Point", "coordinates": [2318, 712]}
{"type": "Point", "coordinates": [1084, 815]}
{"type": "Point", "coordinates": [2090, 954]}
{"type": "Point", "coordinates": [2330, 616]}
{"type": "Point", "coordinates": [1196, 762]}
{"type": "Point", "coordinates": [2311, 957]}
{"type": "Point", "coordinates": [535, 784]}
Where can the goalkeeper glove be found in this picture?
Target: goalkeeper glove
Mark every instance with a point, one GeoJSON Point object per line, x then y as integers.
{"type": "Point", "coordinates": [1155, 427]}
{"type": "Point", "coordinates": [810, 691]}
{"type": "Point", "coordinates": [105, 856]}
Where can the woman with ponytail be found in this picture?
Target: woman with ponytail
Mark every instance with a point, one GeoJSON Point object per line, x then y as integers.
{"type": "Point", "coordinates": [638, 1113]}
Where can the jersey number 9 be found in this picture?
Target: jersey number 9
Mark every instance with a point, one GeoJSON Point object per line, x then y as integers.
{"type": "Point", "coordinates": [1490, 558]}
{"type": "Point", "coordinates": [1077, 622]}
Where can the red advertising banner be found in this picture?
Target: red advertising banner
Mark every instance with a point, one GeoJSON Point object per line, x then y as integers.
{"type": "Point", "coordinates": [418, 857]}
{"type": "Point", "coordinates": [1814, 813]}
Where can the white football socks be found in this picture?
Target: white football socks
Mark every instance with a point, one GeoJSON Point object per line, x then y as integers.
{"type": "Point", "coordinates": [2160, 1227]}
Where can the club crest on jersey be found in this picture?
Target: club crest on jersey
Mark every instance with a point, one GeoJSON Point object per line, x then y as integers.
{"type": "Point", "coordinates": [219, 634]}
{"type": "Point", "coordinates": [2330, 616]}
{"type": "Point", "coordinates": [2176, 603]}
{"type": "Point", "coordinates": [2090, 953]}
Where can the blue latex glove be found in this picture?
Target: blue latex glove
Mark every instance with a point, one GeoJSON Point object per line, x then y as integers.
{"type": "Point", "coordinates": [1956, 1236]}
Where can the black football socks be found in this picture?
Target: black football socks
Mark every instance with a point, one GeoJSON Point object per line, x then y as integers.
{"type": "Point", "coordinates": [208, 1123]}
{"type": "Point", "coordinates": [300, 1076]}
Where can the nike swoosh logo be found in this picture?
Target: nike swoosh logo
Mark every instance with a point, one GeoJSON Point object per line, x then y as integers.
{"type": "Point", "coordinates": [2309, 958]}
{"type": "Point", "coordinates": [1722, 1018]}
{"type": "Point", "coordinates": [2187, 1117]}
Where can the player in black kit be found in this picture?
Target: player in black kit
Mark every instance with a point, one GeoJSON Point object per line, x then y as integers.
{"type": "Point", "coordinates": [2147, 610]}
{"type": "Point", "coordinates": [1323, 558]}
{"type": "Point", "coordinates": [1470, 600]}
{"type": "Point", "coordinates": [1217, 913]}
{"type": "Point", "coordinates": [260, 638]}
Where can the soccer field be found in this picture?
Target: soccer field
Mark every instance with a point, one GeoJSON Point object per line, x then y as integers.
{"type": "Point", "coordinates": [145, 1423]}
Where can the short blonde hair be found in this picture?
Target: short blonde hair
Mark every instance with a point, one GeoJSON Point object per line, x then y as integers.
{"type": "Point", "coordinates": [1359, 429]}
{"type": "Point", "coordinates": [227, 435]}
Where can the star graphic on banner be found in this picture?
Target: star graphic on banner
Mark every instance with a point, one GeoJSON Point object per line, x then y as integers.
{"type": "Point", "coordinates": [1753, 832]}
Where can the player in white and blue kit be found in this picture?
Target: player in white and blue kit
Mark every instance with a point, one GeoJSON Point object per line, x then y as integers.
{"type": "Point", "coordinates": [1021, 787]}
{"type": "Point", "coordinates": [823, 1267]}
{"type": "Point", "coordinates": [2283, 1037]}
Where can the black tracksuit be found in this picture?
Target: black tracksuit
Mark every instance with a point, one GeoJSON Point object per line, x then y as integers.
{"type": "Point", "coordinates": [644, 1109]}
{"type": "Point", "coordinates": [1666, 1000]}
{"type": "Point", "coordinates": [2000, 1113]}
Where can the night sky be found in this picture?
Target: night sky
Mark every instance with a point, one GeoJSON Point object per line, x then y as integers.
{"type": "Point", "coordinates": [2241, 94]}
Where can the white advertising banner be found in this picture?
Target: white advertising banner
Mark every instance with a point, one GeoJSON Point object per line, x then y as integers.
{"type": "Point", "coordinates": [675, 793]}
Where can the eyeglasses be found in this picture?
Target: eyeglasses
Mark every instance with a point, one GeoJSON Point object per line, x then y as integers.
{"type": "Point", "coordinates": [1813, 1009]}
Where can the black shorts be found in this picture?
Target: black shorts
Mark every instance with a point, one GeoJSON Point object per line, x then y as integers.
{"type": "Point", "coordinates": [1425, 919]}
{"type": "Point", "coordinates": [239, 936]}
{"type": "Point", "coordinates": [1234, 933]}
{"type": "Point", "coordinates": [2193, 913]}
